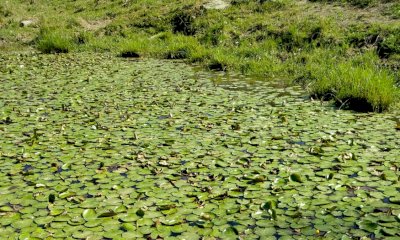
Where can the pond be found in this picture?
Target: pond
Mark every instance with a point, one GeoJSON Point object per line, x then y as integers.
{"type": "Point", "coordinates": [97, 147]}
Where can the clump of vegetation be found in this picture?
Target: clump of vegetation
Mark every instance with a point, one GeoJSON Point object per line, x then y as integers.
{"type": "Point", "coordinates": [54, 41]}
{"type": "Point", "coordinates": [183, 21]}
{"type": "Point", "coordinates": [394, 10]}
{"type": "Point", "coordinates": [133, 46]}
{"type": "Point", "coordinates": [130, 50]}
{"type": "Point", "coordinates": [361, 88]}
{"type": "Point", "coordinates": [83, 37]}
{"type": "Point", "coordinates": [389, 45]}
{"type": "Point", "coordinates": [359, 83]}
{"type": "Point", "coordinates": [181, 47]}
{"type": "Point", "coordinates": [4, 12]}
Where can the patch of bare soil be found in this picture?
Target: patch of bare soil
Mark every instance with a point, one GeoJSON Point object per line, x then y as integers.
{"type": "Point", "coordinates": [216, 4]}
{"type": "Point", "coordinates": [94, 25]}
{"type": "Point", "coordinates": [349, 14]}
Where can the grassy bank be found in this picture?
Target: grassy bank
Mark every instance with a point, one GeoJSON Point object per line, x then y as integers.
{"type": "Point", "coordinates": [347, 51]}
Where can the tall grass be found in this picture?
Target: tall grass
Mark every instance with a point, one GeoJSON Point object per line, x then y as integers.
{"type": "Point", "coordinates": [178, 46]}
{"type": "Point", "coordinates": [356, 84]}
{"type": "Point", "coordinates": [54, 41]}
{"type": "Point", "coordinates": [134, 46]}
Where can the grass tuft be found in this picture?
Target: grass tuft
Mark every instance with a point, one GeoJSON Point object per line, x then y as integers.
{"type": "Point", "coordinates": [394, 11]}
{"type": "Point", "coordinates": [354, 86]}
{"type": "Point", "coordinates": [133, 47]}
{"type": "Point", "coordinates": [182, 47]}
{"type": "Point", "coordinates": [53, 41]}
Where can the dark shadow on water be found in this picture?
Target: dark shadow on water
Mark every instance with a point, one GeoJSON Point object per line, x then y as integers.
{"type": "Point", "coordinates": [355, 104]}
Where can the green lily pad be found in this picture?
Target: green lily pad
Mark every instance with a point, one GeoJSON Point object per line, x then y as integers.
{"type": "Point", "coordinates": [84, 234]}
{"type": "Point", "coordinates": [171, 220]}
{"type": "Point", "coordinates": [367, 225]}
{"type": "Point", "coordinates": [22, 223]}
{"type": "Point", "coordinates": [265, 232]}
{"type": "Point", "coordinates": [75, 221]}
{"type": "Point", "coordinates": [128, 227]}
{"type": "Point", "coordinates": [62, 218]}
{"type": "Point", "coordinates": [395, 200]}
{"type": "Point", "coordinates": [63, 195]}
{"type": "Point", "coordinates": [6, 209]}
{"type": "Point", "coordinates": [108, 213]}
{"type": "Point", "coordinates": [114, 234]}
{"type": "Point", "coordinates": [229, 233]}
{"type": "Point", "coordinates": [144, 222]}
{"type": "Point", "coordinates": [89, 214]}
{"type": "Point", "coordinates": [92, 223]}
{"type": "Point", "coordinates": [389, 231]}
{"type": "Point", "coordinates": [43, 220]}
{"type": "Point", "coordinates": [130, 217]}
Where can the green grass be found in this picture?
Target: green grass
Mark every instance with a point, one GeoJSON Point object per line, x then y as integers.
{"type": "Point", "coordinates": [132, 47]}
{"type": "Point", "coordinates": [358, 87]}
{"type": "Point", "coordinates": [54, 41]}
{"type": "Point", "coordinates": [394, 10]}
{"type": "Point", "coordinates": [282, 39]}
{"type": "Point", "coordinates": [356, 82]}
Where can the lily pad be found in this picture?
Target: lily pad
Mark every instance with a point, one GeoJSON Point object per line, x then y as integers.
{"type": "Point", "coordinates": [89, 214]}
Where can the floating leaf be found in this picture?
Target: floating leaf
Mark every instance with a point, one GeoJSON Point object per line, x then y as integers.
{"type": "Point", "coordinates": [130, 217]}
{"type": "Point", "coordinates": [258, 178]}
{"type": "Point", "coordinates": [93, 223]}
{"type": "Point", "coordinates": [43, 220]}
{"type": "Point", "coordinates": [268, 231]}
{"type": "Point", "coordinates": [367, 225]}
{"type": "Point", "coordinates": [171, 220]}
{"type": "Point", "coordinates": [128, 227]}
{"type": "Point", "coordinates": [56, 211]}
{"type": "Point", "coordinates": [229, 232]}
{"type": "Point", "coordinates": [22, 223]}
{"type": "Point", "coordinates": [109, 213]}
{"type": "Point", "coordinates": [120, 209]}
{"type": "Point", "coordinates": [232, 210]}
{"type": "Point", "coordinates": [395, 200]}
{"type": "Point", "coordinates": [63, 195]}
{"type": "Point", "coordinates": [6, 209]}
{"type": "Point", "coordinates": [89, 214]}
{"type": "Point", "coordinates": [166, 207]}
{"type": "Point", "coordinates": [75, 221]}
{"type": "Point", "coordinates": [389, 231]}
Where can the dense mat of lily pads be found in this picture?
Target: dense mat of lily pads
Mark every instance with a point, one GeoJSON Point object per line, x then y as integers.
{"type": "Point", "coordinates": [96, 147]}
